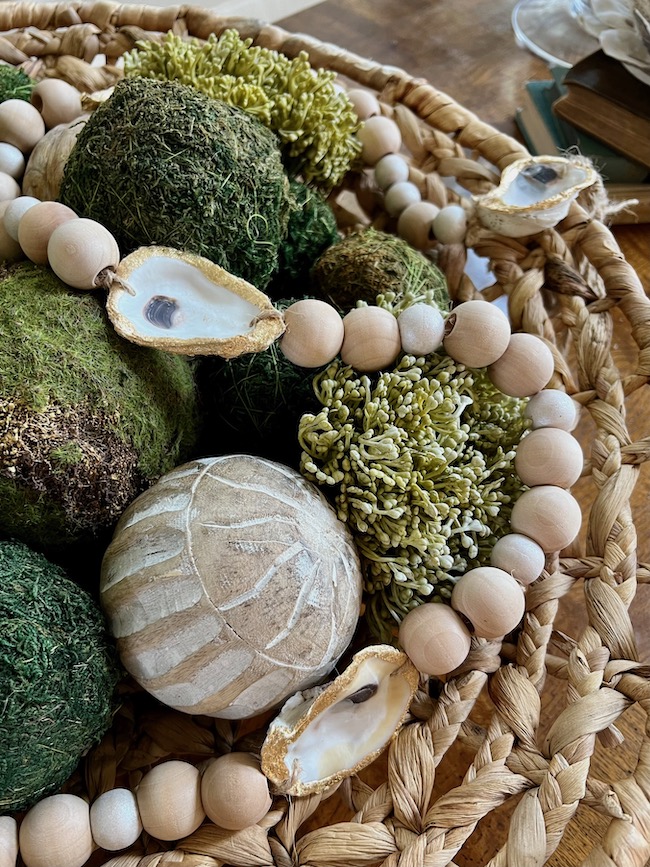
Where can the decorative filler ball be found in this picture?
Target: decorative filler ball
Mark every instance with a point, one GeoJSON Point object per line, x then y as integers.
{"type": "Point", "coordinates": [230, 584]}
{"type": "Point", "coordinates": [160, 163]}
{"type": "Point", "coordinates": [58, 671]}
{"type": "Point", "coordinates": [88, 419]}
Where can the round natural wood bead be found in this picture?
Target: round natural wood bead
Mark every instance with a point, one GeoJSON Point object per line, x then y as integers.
{"type": "Point", "coordinates": [365, 104]}
{"type": "Point", "coordinates": [549, 515]}
{"type": "Point", "coordinates": [421, 328]}
{"type": "Point", "coordinates": [434, 638]}
{"type": "Point", "coordinates": [415, 225]}
{"type": "Point", "coordinates": [391, 169]}
{"type": "Point", "coordinates": [12, 161]}
{"type": "Point", "coordinates": [169, 800]}
{"type": "Point", "coordinates": [399, 196]}
{"type": "Point", "coordinates": [235, 792]}
{"type": "Point", "coordinates": [80, 250]}
{"type": "Point", "coordinates": [379, 136]}
{"type": "Point", "coordinates": [36, 226]}
{"type": "Point", "coordinates": [314, 333]}
{"type": "Point", "coordinates": [115, 820]}
{"type": "Point", "coordinates": [553, 408]}
{"type": "Point", "coordinates": [371, 341]}
{"type": "Point", "coordinates": [491, 600]}
{"type": "Point", "coordinates": [520, 556]}
{"type": "Point", "coordinates": [10, 249]}
{"type": "Point", "coordinates": [9, 187]}
{"type": "Point", "coordinates": [20, 124]}
{"type": "Point", "coordinates": [549, 456]}
{"type": "Point", "coordinates": [8, 841]}
{"type": "Point", "coordinates": [477, 333]}
{"type": "Point", "coordinates": [56, 833]}
{"type": "Point", "coordinates": [524, 368]}
{"type": "Point", "coordinates": [56, 100]}
{"type": "Point", "coordinates": [450, 225]}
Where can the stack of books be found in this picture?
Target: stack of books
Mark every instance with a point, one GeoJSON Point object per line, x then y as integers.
{"type": "Point", "coordinates": [596, 108]}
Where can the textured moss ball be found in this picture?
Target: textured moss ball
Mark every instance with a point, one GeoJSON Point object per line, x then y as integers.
{"type": "Point", "coordinates": [161, 163]}
{"type": "Point", "coordinates": [58, 672]}
{"type": "Point", "coordinates": [87, 419]}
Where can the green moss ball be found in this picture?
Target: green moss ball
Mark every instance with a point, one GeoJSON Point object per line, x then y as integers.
{"type": "Point", "coordinates": [369, 264]}
{"type": "Point", "coordinates": [161, 163]}
{"type": "Point", "coordinates": [58, 673]}
{"type": "Point", "coordinates": [15, 84]}
{"type": "Point", "coordinates": [87, 420]}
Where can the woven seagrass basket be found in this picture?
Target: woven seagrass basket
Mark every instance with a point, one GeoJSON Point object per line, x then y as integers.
{"type": "Point", "coordinates": [525, 779]}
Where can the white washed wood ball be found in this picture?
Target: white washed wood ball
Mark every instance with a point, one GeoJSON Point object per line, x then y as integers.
{"type": "Point", "coordinates": [12, 160]}
{"type": "Point", "coordinates": [391, 169]}
{"type": "Point", "coordinates": [115, 820]}
{"type": "Point", "coordinates": [9, 187]}
{"type": "Point", "coordinates": [10, 249]}
{"type": "Point", "coordinates": [421, 329]}
{"type": "Point", "coordinates": [399, 196]}
{"type": "Point", "coordinates": [8, 841]}
{"type": "Point", "coordinates": [56, 833]}
{"type": "Point", "coordinates": [477, 333]}
{"type": "Point", "coordinates": [434, 638]}
{"type": "Point", "coordinates": [520, 556]}
{"type": "Point", "coordinates": [230, 584]}
{"type": "Point", "coordinates": [450, 224]}
{"type": "Point", "coordinates": [415, 225]}
{"type": "Point", "coordinates": [553, 408]}
{"type": "Point", "coordinates": [549, 515]}
{"type": "Point", "coordinates": [491, 600]}
{"type": "Point", "coordinates": [549, 456]}
{"type": "Point", "coordinates": [235, 792]}
{"type": "Point", "coordinates": [169, 800]}
{"type": "Point", "coordinates": [14, 211]}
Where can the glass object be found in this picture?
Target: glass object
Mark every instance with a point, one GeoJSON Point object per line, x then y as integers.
{"type": "Point", "coordinates": [551, 29]}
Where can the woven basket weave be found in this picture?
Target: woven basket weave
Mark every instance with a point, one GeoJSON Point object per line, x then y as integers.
{"type": "Point", "coordinates": [413, 815]}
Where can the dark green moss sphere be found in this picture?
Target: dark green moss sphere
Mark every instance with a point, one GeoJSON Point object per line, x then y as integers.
{"type": "Point", "coordinates": [58, 673]}
{"type": "Point", "coordinates": [161, 163]}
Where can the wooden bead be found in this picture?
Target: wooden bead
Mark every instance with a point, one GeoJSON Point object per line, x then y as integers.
{"type": "Point", "coordinates": [169, 800]}
{"type": "Point", "coordinates": [491, 600]}
{"type": "Point", "coordinates": [549, 456]}
{"type": "Point", "coordinates": [391, 169]}
{"type": "Point", "coordinates": [79, 250]}
{"type": "Point", "coordinates": [379, 136]}
{"type": "Point", "coordinates": [450, 225]}
{"type": "Point", "coordinates": [9, 187]}
{"type": "Point", "coordinates": [549, 515]}
{"type": "Point", "coordinates": [371, 340]}
{"type": "Point", "coordinates": [10, 250]}
{"type": "Point", "coordinates": [56, 100]}
{"type": "Point", "coordinates": [364, 102]}
{"type": "Point", "coordinates": [524, 368]}
{"type": "Point", "coordinates": [553, 408]}
{"type": "Point", "coordinates": [21, 125]}
{"type": "Point", "coordinates": [414, 225]}
{"type": "Point", "coordinates": [56, 833]}
{"type": "Point", "coordinates": [476, 333]}
{"type": "Point", "coordinates": [12, 161]}
{"type": "Point", "coordinates": [36, 226]}
{"type": "Point", "coordinates": [235, 792]}
{"type": "Point", "coordinates": [8, 841]}
{"type": "Point", "coordinates": [399, 196]}
{"type": "Point", "coordinates": [314, 333]}
{"type": "Point", "coordinates": [14, 211]}
{"type": "Point", "coordinates": [520, 556]}
{"type": "Point", "coordinates": [435, 638]}
{"type": "Point", "coordinates": [115, 820]}
{"type": "Point", "coordinates": [421, 328]}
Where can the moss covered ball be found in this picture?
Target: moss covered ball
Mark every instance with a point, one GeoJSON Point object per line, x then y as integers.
{"type": "Point", "coordinates": [58, 673]}
{"type": "Point", "coordinates": [87, 420]}
{"type": "Point", "coordinates": [161, 163]}
{"type": "Point", "coordinates": [377, 268]}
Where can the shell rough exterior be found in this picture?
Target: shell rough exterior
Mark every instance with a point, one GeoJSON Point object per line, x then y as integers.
{"type": "Point", "coordinates": [183, 303]}
{"type": "Point", "coordinates": [534, 193]}
{"type": "Point", "coordinates": [326, 734]}
{"type": "Point", "coordinates": [230, 584]}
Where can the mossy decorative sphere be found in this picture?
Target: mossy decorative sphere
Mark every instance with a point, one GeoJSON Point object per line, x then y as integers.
{"type": "Point", "coordinates": [229, 585]}
{"type": "Point", "coordinates": [58, 671]}
{"type": "Point", "coordinates": [161, 163]}
{"type": "Point", "coordinates": [90, 420]}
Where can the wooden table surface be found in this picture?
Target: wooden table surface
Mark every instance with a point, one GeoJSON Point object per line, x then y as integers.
{"type": "Point", "coordinates": [466, 48]}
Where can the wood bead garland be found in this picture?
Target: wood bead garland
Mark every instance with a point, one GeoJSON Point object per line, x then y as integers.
{"type": "Point", "coordinates": [379, 136]}
{"type": "Point", "coordinates": [520, 556]}
{"type": "Point", "coordinates": [491, 600]}
{"type": "Point", "coordinates": [56, 831]}
{"type": "Point", "coordinates": [552, 408]}
{"type": "Point", "coordinates": [476, 333]}
{"type": "Point", "coordinates": [235, 792]}
{"type": "Point", "coordinates": [434, 638]}
{"type": "Point", "coordinates": [549, 456]}
{"type": "Point", "coordinates": [56, 100]}
{"type": "Point", "coordinates": [79, 250]}
{"type": "Point", "coordinates": [12, 161]}
{"type": "Point", "coordinates": [524, 368]}
{"type": "Point", "coordinates": [21, 125]}
{"type": "Point", "coordinates": [169, 800]}
{"type": "Point", "coordinates": [371, 339]}
{"type": "Point", "coordinates": [391, 169]}
{"type": "Point", "coordinates": [8, 841]}
{"type": "Point", "coordinates": [36, 226]}
{"type": "Point", "coordinates": [314, 333]}
{"type": "Point", "coordinates": [415, 225]}
{"type": "Point", "coordinates": [549, 515]}
{"type": "Point", "coordinates": [400, 196]}
{"type": "Point", "coordinates": [115, 820]}
{"type": "Point", "coordinates": [421, 329]}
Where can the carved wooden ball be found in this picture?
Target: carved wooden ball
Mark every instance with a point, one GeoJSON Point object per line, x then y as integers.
{"type": "Point", "coordinates": [230, 584]}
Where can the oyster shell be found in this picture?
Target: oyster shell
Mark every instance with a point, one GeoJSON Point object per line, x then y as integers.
{"type": "Point", "coordinates": [183, 303]}
{"type": "Point", "coordinates": [325, 734]}
{"type": "Point", "coordinates": [534, 193]}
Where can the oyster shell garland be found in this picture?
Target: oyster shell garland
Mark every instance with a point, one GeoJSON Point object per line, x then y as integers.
{"type": "Point", "coordinates": [325, 734]}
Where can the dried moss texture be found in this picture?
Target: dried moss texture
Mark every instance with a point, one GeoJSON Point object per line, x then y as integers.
{"type": "Point", "coordinates": [161, 163]}
{"type": "Point", "coordinates": [87, 420]}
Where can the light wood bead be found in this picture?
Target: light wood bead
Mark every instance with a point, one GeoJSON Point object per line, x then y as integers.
{"type": "Point", "coordinates": [415, 225]}
{"type": "Point", "coordinates": [80, 250]}
{"type": "Point", "coordinates": [8, 841]}
{"type": "Point", "coordinates": [450, 225]}
{"type": "Point", "coordinates": [12, 161]}
{"type": "Point", "coordinates": [314, 333]}
{"type": "Point", "coordinates": [21, 125]}
{"type": "Point", "coordinates": [371, 340]}
{"type": "Point", "coordinates": [169, 800]}
{"type": "Point", "coordinates": [235, 792]}
{"type": "Point", "coordinates": [10, 250]}
{"type": "Point", "coordinates": [549, 515]}
{"type": "Point", "coordinates": [524, 368]}
{"type": "Point", "coordinates": [549, 456]}
{"type": "Point", "coordinates": [14, 212]}
{"type": "Point", "coordinates": [115, 820]}
{"type": "Point", "coordinates": [520, 556]}
{"type": "Point", "coordinates": [391, 169]}
{"type": "Point", "coordinates": [365, 104]}
{"type": "Point", "coordinates": [421, 329]}
{"type": "Point", "coordinates": [553, 408]}
{"type": "Point", "coordinates": [399, 196]}
{"type": "Point", "coordinates": [9, 187]}
{"type": "Point", "coordinates": [56, 833]}
{"type": "Point", "coordinates": [56, 100]}
{"type": "Point", "coordinates": [477, 333]}
{"type": "Point", "coordinates": [434, 638]}
{"type": "Point", "coordinates": [379, 136]}
{"type": "Point", "coordinates": [36, 226]}
{"type": "Point", "coordinates": [491, 600]}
